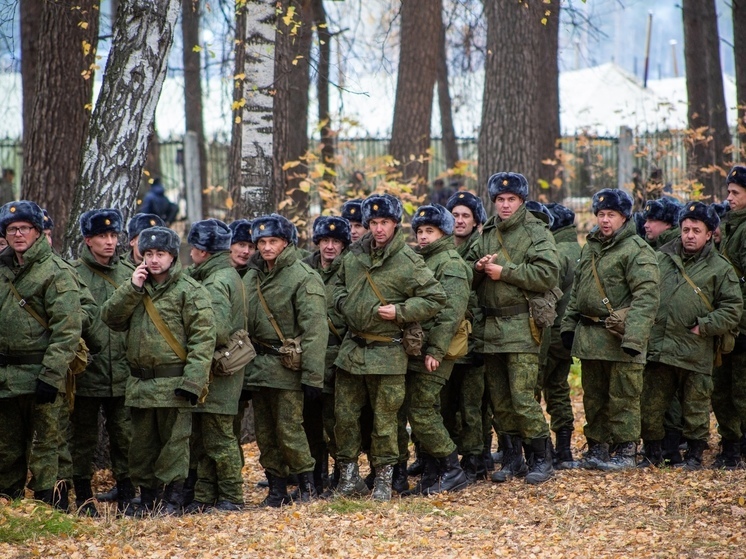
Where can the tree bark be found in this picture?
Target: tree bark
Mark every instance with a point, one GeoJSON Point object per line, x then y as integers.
{"type": "Point", "coordinates": [448, 132]}
{"type": "Point", "coordinates": [30, 36]}
{"type": "Point", "coordinates": [60, 109]}
{"type": "Point", "coordinates": [322, 88]}
{"type": "Point", "coordinates": [122, 121]}
{"type": "Point", "coordinates": [421, 23]}
{"type": "Point", "coordinates": [739, 55]}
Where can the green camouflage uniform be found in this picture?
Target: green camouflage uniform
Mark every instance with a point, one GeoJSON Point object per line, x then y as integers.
{"type": "Point", "coordinates": [677, 358]}
{"type": "Point", "coordinates": [374, 370]}
{"type": "Point", "coordinates": [511, 353]}
{"type": "Point", "coordinates": [612, 379]}
{"type": "Point", "coordinates": [295, 295]}
{"type": "Point", "coordinates": [162, 421]}
{"type": "Point", "coordinates": [219, 464]}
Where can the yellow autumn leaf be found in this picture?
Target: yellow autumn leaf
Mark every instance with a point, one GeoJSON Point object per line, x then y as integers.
{"type": "Point", "coordinates": [305, 186]}
{"type": "Point", "coordinates": [229, 203]}
{"type": "Point", "coordinates": [83, 24]}
{"type": "Point", "coordinates": [196, 48]}
{"type": "Point", "coordinates": [290, 165]}
{"type": "Point", "coordinates": [237, 120]}
{"type": "Point", "coordinates": [86, 48]}
{"type": "Point", "coordinates": [741, 501]}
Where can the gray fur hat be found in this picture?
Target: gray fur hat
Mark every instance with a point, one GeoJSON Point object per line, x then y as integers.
{"type": "Point", "coordinates": [467, 199]}
{"type": "Point", "coordinates": [210, 235]}
{"type": "Point", "coordinates": [563, 216]}
{"type": "Point", "coordinates": [737, 175]}
{"type": "Point", "coordinates": [507, 183]}
{"type": "Point", "coordinates": [721, 208]}
{"type": "Point", "coordinates": [701, 212]}
{"type": "Point", "coordinates": [142, 221]}
{"type": "Point", "coordinates": [665, 209]}
{"type": "Point", "coordinates": [612, 199]}
{"type": "Point", "coordinates": [241, 231]}
{"type": "Point", "coordinates": [352, 210]}
{"type": "Point", "coordinates": [333, 227]}
{"type": "Point", "coordinates": [435, 215]}
{"type": "Point", "coordinates": [95, 222]}
{"type": "Point", "coordinates": [21, 210]}
{"type": "Point", "coordinates": [273, 225]}
{"type": "Point", "coordinates": [159, 238]}
{"type": "Point", "coordinates": [381, 206]}
{"type": "Point", "coordinates": [541, 212]}
{"type": "Point", "coordinates": [48, 221]}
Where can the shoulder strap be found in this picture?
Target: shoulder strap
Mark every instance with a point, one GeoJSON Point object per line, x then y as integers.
{"type": "Point", "coordinates": [605, 299]}
{"type": "Point", "coordinates": [502, 245]}
{"type": "Point", "coordinates": [724, 254]}
{"type": "Point", "coordinates": [163, 328]}
{"type": "Point", "coordinates": [375, 289]}
{"type": "Point", "coordinates": [267, 312]}
{"type": "Point", "coordinates": [697, 290]}
{"type": "Point", "coordinates": [27, 307]}
{"type": "Point", "coordinates": [333, 328]}
{"type": "Point", "coordinates": [100, 274]}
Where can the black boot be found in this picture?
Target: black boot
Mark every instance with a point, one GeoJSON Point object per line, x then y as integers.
{"type": "Point", "coordinates": [487, 456]}
{"type": "Point", "coordinates": [278, 492]}
{"type": "Point", "coordinates": [189, 483]}
{"type": "Point", "coordinates": [652, 454]}
{"type": "Point", "coordinates": [56, 497]}
{"type": "Point", "coordinates": [429, 474]}
{"type": "Point", "coordinates": [541, 469]}
{"type": "Point", "coordinates": [513, 464]}
{"type": "Point", "coordinates": [563, 452]}
{"type": "Point", "coordinates": [147, 503]}
{"type": "Point", "coordinates": [693, 456]}
{"type": "Point", "coordinates": [350, 482]}
{"type": "Point", "coordinates": [416, 467]}
{"type": "Point", "coordinates": [400, 481]}
{"type": "Point", "coordinates": [596, 455]}
{"type": "Point", "coordinates": [622, 458]}
{"type": "Point", "coordinates": [729, 457]}
{"type": "Point", "coordinates": [670, 447]}
{"type": "Point", "coordinates": [306, 487]}
{"type": "Point", "coordinates": [108, 496]}
{"type": "Point", "coordinates": [125, 494]}
{"type": "Point", "coordinates": [172, 499]}
{"type": "Point", "coordinates": [450, 475]}
{"type": "Point", "coordinates": [15, 491]}
{"type": "Point", "coordinates": [84, 498]}
{"type": "Point", "coordinates": [382, 484]}
{"type": "Point", "coordinates": [473, 467]}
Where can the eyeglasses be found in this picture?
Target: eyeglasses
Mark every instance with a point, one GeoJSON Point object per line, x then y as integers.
{"type": "Point", "coordinates": [23, 230]}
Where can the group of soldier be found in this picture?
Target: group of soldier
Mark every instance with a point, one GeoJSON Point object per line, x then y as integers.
{"type": "Point", "coordinates": [367, 342]}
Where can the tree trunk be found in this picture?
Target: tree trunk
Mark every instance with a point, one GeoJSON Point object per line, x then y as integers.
{"type": "Point", "coordinates": [739, 55]}
{"type": "Point", "coordinates": [30, 36]}
{"type": "Point", "coordinates": [322, 88]}
{"type": "Point", "coordinates": [450, 146]}
{"type": "Point", "coordinates": [122, 121]}
{"type": "Point", "coordinates": [421, 23]}
{"type": "Point", "coordinates": [60, 112]}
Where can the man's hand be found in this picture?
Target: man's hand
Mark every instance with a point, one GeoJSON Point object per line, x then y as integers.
{"type": "Point", "coordinates": [482, 262]}
{"type": "Point", "coordinates": [431, 364]}
{"type": "Point", "coordinates": [387, 312]}
{"type": "Point", "coordinates": [695, 330]}
{"type": "Point", "coordinates": [140, 275]}
{"type": "Point", "coordinates": [493, 271]}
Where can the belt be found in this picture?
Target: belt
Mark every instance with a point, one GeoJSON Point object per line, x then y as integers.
{"type": "Point", "coordinates": [333, 341]}
{"type": "Point", "coordinates": [365, 339]}
{"type": "Point", "coordinates": [21, 359]}
{"type": "Point", "coordinates": [593, 321]}
{"type": "Point", "coordinates": [266, 348]}
{"type": "Point", "coordinates": [506, 311]}
{"type": "Point", "coordinates": [166, 371]}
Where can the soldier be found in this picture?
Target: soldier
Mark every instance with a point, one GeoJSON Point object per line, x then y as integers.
{"type": "Point", "coordinates": [285, 300]}
{"type": "Point", "coordinates": [427, 374]}
{"type": "Point", "coordinates": [372, 361]}
{"type": "Point", "coordinates": [702, 301]}
{"type": "Point", "coordinates": [515, 260]}
{"type": "Point", "coordinates": [137, 223]}
{"type": "Point", "coordinates": [241, 246]}
{"type": "Point", "coordinates": [617, 272]}
{"type": "Point", "coordinates": [352, 212]}
{"type": "Point", "coordinates": [104, 382]}
{"type": "Point", "coordinates": [661, 225]}
{"type": "Point", "coordinates": [170, 343]}
{"type": "Point", "coordinates": [48, 226]}
{"type": "Point", "coordinates": [34, 359]}
{"type": "Point", "coordinates": [214, 443]}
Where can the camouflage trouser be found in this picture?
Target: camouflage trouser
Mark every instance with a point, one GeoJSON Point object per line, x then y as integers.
{"type": "Point", "coordinates": [552, 384]}
{"type": "Point", "coordinates": [611, 398]}
{"type": "Point", "coordinates": [219, 466]}
{"type": "Point", "coordinates": [673, 421]}
{"type": "Point", "coordinates": [461, 406]}
{"type": "Point", "coordinates": [511, 381]}
{"type": "Point", "coordinates": [327, 413]}
{"type": "Point", "coordinates": [85, 434]}
{"type": "Point", "coordinates": [29, 440]}
{"type": "Point", "coordinates": [488, 419]}
{"type": "Point", "coordinates": [660, 384]}
{"type": "Point", "coordinates": [282, 442]}
{"type": "Point", "coordinates": [729, 396]}
{"type": "Point", "coordinates": [386, 395]}
{"type": "Point", "coordinates": [159, 451]}
{"type": "Point", "coordinates": [64, 451]}
{"type": "Point", "coordinates": [313, 425]}
{"type": "Point", "coordinates": [237, 427]}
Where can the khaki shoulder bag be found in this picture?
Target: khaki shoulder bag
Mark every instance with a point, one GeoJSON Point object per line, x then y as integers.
{"type": "Point", "coordinates": [238, 352]}
{"type": "Point", "coordinates": [615, 322]}
{"type": "Point", "coordinates": [412, 334]}
{"type": "Point", "coordinates": [290, 351]}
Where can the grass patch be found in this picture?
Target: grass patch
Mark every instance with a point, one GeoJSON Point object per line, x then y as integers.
{"type": "Point", "coordinates": [350, 506]}
{"type": "Point", "coordinates": [21, 521]}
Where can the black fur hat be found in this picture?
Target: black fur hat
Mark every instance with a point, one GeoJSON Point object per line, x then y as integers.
{"type": "Point", "coordinates": [352, 210]}
{"type": "Point", "coordinates": [331, 226]}
{"type": "Point", "coordinates": [467, 199]}
{"type": "Point", "coordinates": [639, 218]}
{"type": "Point", "coordinates": [507, 183]}
{"type": "Point", "coordinates": [142, 221]}
{"type": "Point", "coordinates": [701, 212]}
{"type": "Point", "coordinates": [48, 221]}
{"type": "Point", "coordinates": [612, 199]}
{"type": "Point", "coordinates": [737, 175]}
{"type": "Point", "coordinates": [210, 235]}
{"type": "Point", "coordinates": [563, 216]}
{"type": "Point", "coordinates": [541, 212]}
{"type": "Point", "coordinates": [435, 215]}
{"type": "Point", "coordinates": [21, 210]}
{"type": "Point", "coordinates": [159, 238]}
{"type": "Point", "coordinates": [273, 225]}
{"type": "Point", "coordinates": [721, 208]}
{"type": "Point", "coordinates": [381, 206]}
{"type": "Point", "coordinates": [666, 209]}
{"type": "Point", "coordinates": [95, 222]}
{"type": "Point", "coordinates": [241, 231]}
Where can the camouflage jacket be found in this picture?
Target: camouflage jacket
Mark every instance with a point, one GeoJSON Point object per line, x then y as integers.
{"type": "Point", "coordinates": [733, 247]}
{"type": "Point", "coordinates": [474, 314]}
{"type": "Point", "coordinates": [666, 237]}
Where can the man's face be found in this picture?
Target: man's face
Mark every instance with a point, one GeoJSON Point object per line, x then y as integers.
{"type": "Point", "coordinates": [609, 222]}
{"type": "Point", "coordinates": [241, 252]}
{"type": "Point", "coordinates": [157, 261]}
{"type": "Point", "coordinates": [507, 204]}
{"type": "Point", "coordinates": [464, 221]}
{"type": "Point", "coordinates": [427, 234]}
{"type": "Point", "coordinates": [198, 255]}
{"type": "Point", "coordinates": [694, 234]}
{"type": "Point", "coordinates": [330, 248]}
{"type": "Point", "coordinates": [736, 196]}
{"type": "Point", "coordinates": [21, 235]}
{"type": "Point", "coordinates": [356, 230]}
{"type": "Point", "coordinates": [654, 227]}
{"type": "Point", "coordinates": [271, 247]}
{"type": "Point", "coordinates": [382, 229]}
{"type": "Point", "coordinates": [103, 246]}
{"type": "Point", "coordinates": [136, 256]}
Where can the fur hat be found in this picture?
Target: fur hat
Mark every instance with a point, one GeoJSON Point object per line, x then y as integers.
{"type": "Point", "coordinates": [612, 199]}
{"type": "Point", "coordinates": [378, 206]}
{"type": "Point", "coordinates": [333, 227]}
{"type": "Point", "coordinates": [467, 199]}
{"type": "Point", "coordinates": [701, 212]}
{"type": "Point", "coordinates": [666, 209]}
{"type": "Point", "coordinates": [142, 221]}
{"type": "Point", "coordinates": [541, 212]}
{"type": "Point", "coordinates": [159, 238]}
{"type": "Point", "coordinates": [737, 175]}
{"type": "Point", "coordinates": [210, 235]}
{"type": "Point", "coordinates": [721, 208]}
{"type": "Point", "coordinates": [563, 216]}
{"type": "Point", "coordinates": [352, 210]}
{"type": "Point", "coordinates": [639, 218]}
{"type": "Point", "coordinates": [273, 225]}
{"type": "Point", "coordinates": [435, 215]}
{"type": "Point", "coordinates": [21, 210]}
{"type": "Point", "coordinates": [48, 221]}
{"type": "Point", "coordinates": [95, 222]}
{"type": "Point", "coordinates": [240, 231]}
{"type": "Point", "coordinates": [507, 183]}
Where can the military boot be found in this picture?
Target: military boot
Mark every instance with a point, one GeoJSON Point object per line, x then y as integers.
{"type": "Point", "coordinates": [15, 491]}
{"type": "Point", "coordinates": [125, 495]}
{"type": "Point", "coordinates": [350, 482]}
{"type": "Point", "coordinates": [370, 478]}
{"type": "Point", "coordinates": [623, 458]}
{"type": "Point", "coordinates": [562, 458]}
{"type": "Point", "coordinates": [597, 454]}
{"type": "Point", "coordinates": [473, 467]}
{"type": "Point", "coordinates": [382, 484]}
{"type": "Point", "coordinates": [56, 497]}
{"type": "Point", "coordinates": [400, 481]}
{"type": "Point", "coordinates": [693, 456]}
{"type": "Point", "coordinates": [306, 487]}
{"type": "Point", "coordinates": [189, 483]}
{"type": "Point", "coordinates": [670, 447]}
{"type": "Point", "coordinates": [450, 476]}
{"type": "Point", "coordinates": [108, 496]}
{"type": "Point", "coordinates": [652, 454]}
{"type": "Point", "coordinates": [488, 457]}
{"type": "Point", "coordinates": [429, 474]}
{"type": "Point", "coordinates": [278, 492]}
{"type": "Point", "coordinates": [146, 506]}
{"type": "Point", "coordinates": [729, 457]}
{"type": "Point", "coordinates": [416, 467]}
{"type": "Point", "coordinates": [84, 498]}
{"type": "Point", "coordinates": [540, 468]}
{"type": "Point", "coordinates": [171, 502]}
{"type": "Point", "coordinates": [513, 464]}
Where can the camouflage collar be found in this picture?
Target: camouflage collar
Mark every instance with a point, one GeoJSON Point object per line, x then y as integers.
{"type": "Point", "coordinates": [215, 262]}
{"type": "Point", "coordinates": [441, 245]}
